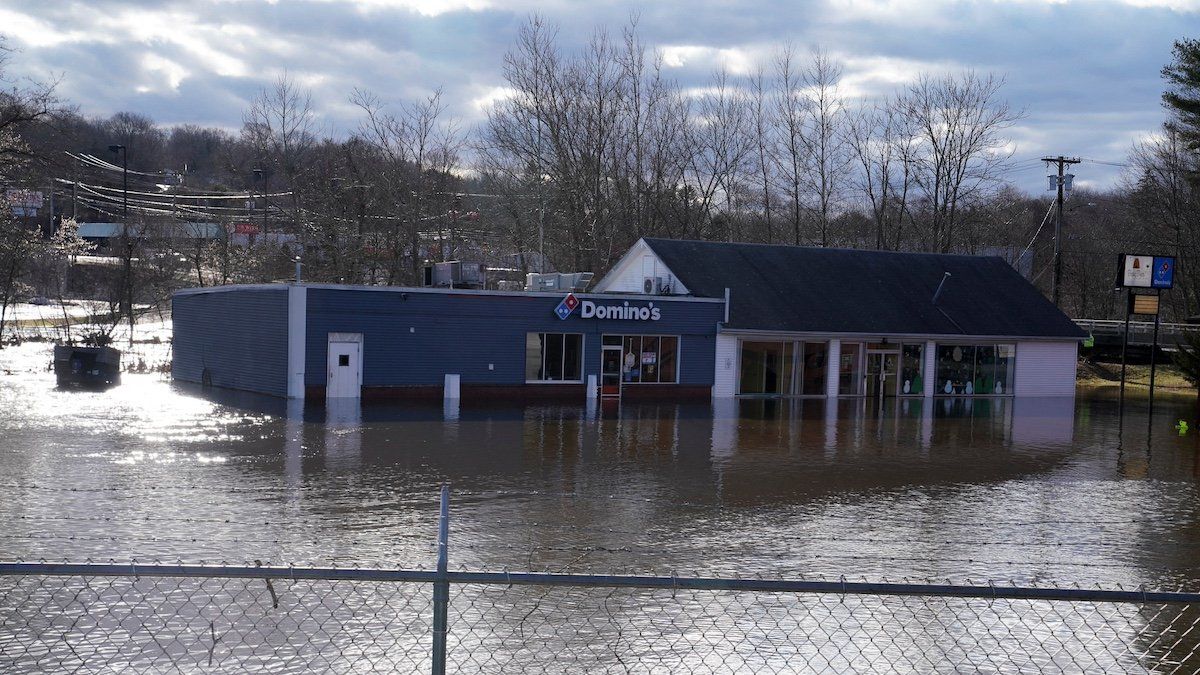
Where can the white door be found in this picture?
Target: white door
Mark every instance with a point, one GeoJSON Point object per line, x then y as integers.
{"type": "Point", "coordinates": [345, 370]}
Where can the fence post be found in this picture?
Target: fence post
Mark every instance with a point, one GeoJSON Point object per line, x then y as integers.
{"type": "Point", "coordinates": [441, 587]}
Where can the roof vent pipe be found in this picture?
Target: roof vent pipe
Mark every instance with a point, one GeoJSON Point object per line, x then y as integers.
{"type": "Point", "coordinates": [726, 322]}
{"type": "Point", "coordinates": [942, 283]}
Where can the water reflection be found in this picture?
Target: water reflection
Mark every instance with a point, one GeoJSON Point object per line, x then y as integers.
{"type": "Point", "coordinates": [987, 488]}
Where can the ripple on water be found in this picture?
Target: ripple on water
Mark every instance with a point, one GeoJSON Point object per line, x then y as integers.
{"type": "Point", "coordinates": [995, 490]}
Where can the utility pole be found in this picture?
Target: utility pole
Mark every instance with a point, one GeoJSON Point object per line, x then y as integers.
{"type": "Point", "coordinates": [1062, 162]}
{"type": "Point", "coordinates": [125, 231]}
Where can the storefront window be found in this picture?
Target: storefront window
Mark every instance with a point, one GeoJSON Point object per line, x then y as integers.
{"type": "Point", "coordinates": [553, 357]}
{"type": "Point", "coordinates": [668, 349]}
{"type": "Point", "coordinates": [912, 374]}
{"type": "Point", "coordinates": [647, 358]}
{"type": "Point", "coordinates": [849, 370]}
{"type": "Point", "coordinates": [1006, 363]}
{"type": "Point", "coordinates": [816, 363]}
{"type": "Point", "coordinates": [767, 368]}
{"type": "Point", "coordinates": [975, 369]}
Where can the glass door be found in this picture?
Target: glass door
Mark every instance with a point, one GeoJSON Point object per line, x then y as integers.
{"type": "Point", "coordinates": [610, 371]}
{"type": "Point", "coordinates": [881, 374]}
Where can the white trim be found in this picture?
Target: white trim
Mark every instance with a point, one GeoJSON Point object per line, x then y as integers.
{"type": "Point", "coordinates": [232, 287]}
{"type": "Point", "coordinates": [948, 338]}
{"type": "Point", "coordinates": [297, 328]}
{"type": "Point", "coordinates": [633, 261]}
{"type": "Point", "coordinates": [455, 291]}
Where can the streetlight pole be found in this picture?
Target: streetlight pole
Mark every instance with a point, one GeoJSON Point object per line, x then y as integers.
{"type": "Point", "coordinates": [125, 233]}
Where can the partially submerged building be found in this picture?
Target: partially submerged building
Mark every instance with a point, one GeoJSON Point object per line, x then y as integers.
{"type": "Point", "coordinates": [672, 319]}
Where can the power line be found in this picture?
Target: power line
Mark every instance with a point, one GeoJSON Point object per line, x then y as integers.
{"type": "Point", "coordinates": [1045, 219]}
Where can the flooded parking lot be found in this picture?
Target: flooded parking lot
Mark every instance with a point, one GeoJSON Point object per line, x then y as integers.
{"type": "Point", "coordinates": [1042, 490]}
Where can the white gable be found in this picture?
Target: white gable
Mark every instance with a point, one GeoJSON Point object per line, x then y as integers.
{"type": "Point", "coordinates": [631, 271]}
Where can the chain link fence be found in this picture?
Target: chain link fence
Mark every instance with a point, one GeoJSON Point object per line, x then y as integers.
{"type": "Point", "coordinates": [173, 618]}
{"type": "Point", "coordinates": [105, 617]}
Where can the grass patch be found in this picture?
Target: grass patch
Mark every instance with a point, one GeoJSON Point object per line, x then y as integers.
{"type": "Point", "coordinates": [1104, 374]}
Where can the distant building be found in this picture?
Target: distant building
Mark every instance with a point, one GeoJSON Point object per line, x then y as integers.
{"type": "Point", "coordinates": [672, 319]}
{"type": "Point", "coordinates": [102, 233]}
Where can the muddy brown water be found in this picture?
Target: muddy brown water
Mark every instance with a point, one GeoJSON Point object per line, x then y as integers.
{"type": "Point", "coordinates": [1042, 490]}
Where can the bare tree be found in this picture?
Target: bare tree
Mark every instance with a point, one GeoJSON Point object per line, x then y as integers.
{"type": "Point", "coordinates": [764, 127]}
{"type": "Point", "coordinates": [957, 124]}
{"type": "Point", "coordinates": [420, 149]}
{"type": "Point", "coordinates": [791, 112]}
{"type": "Point", "coordinates": [826, 158]}
{"type": "Point", "coordinates": [721, 144]}
{"type": "Point", "coordinates": [1163, 191]}
{"type": "Point", "coordinates": [280, 128]}
{"type": "Point", "coordinates": [881, 147]}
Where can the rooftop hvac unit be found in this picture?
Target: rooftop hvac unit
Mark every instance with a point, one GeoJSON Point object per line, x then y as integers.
{"type": "Point", "coordinates": [558, 281]}
{"type": "Point", "coordinates": [458, 274]}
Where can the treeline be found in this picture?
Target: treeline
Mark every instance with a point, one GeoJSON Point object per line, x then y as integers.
{"type": "Point", "coordinates": [594, 146]}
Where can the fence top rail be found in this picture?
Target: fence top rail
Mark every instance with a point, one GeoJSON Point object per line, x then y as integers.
{"type": "Point", "coordinates": [839, 587]}
{"type": "Point", "coordinates": [1120, 324]}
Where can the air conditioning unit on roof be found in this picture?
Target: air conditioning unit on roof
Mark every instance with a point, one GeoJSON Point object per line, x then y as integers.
{"type": "Point", "coordinates": [656, 286]}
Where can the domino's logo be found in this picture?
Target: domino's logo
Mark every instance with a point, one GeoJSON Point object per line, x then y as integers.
{"type": "Point", "coordinates": [567, 306]}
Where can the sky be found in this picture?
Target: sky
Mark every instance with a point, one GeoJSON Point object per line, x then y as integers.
{"type": "Point", "coordinates": [1085, 72]}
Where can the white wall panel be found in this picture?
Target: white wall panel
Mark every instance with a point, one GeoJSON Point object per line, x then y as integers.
{"type": "Point", "coordinates": [1046, 368]}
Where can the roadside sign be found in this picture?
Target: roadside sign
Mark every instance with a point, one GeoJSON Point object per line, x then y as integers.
{"type": "Point", "coordinates": [1147, 271]}
{"type": "Point", "coordinates": [1164, 272]}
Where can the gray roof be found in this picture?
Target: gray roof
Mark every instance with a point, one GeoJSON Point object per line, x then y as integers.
{"type": "Point", "coordinates": [803, 289]}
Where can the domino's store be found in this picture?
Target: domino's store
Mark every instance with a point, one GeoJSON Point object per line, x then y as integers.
{"type": "Point", "coordinates": [315, 341]}
{"type": "Point", "coordinates": [672, 319]}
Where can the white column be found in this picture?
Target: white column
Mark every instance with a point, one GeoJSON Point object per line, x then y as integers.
{"type": "Point", "coordinates": [297, 327]}
{"type": "Point", "coordinates": [832, 369]}
{"type": "Point", "coordinates": [451, 399]}
{"type": "Point", "coordinates": [451, 388]}
{"type": "Point", "coordinates": [724, 431]}
{"type": "Point", "coordinates": [931, 383]}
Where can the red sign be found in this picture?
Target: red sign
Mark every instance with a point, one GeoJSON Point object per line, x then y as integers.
{"type": "Point", "coordinates": [245, 228]}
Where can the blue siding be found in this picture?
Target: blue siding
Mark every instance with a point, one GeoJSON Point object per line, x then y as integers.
{"type": "Point", "coordinates": [415, 338]}
{"type": "Point", "coordinates": [239, 336]}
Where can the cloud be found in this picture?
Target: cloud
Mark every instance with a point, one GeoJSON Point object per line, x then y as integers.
{"type": "Point", "coordinates": [1085, 72]}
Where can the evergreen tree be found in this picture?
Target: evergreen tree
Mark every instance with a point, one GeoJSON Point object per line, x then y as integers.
{"type": "Point", "coordinates": [1182, 97]}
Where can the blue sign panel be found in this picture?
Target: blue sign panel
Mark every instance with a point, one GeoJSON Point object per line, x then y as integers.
{"type": "Point", "coordinates": [1164, 273]}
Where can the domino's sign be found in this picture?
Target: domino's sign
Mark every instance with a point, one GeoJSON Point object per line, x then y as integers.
{"type": "Point", "coordinates": [592, 310]}
{"type": "Point", "coordinates": [1147, 271]}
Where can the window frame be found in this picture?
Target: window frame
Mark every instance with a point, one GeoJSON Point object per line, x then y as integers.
{"type": "Point", "coordinates": [1011, 368]}
{"type": "Point", "coordinates": [658, 354]}
{"type": "Point", "coordinates": [563, 363]}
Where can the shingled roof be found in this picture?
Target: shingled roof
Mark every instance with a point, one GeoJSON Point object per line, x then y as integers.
{"type": "Point", "coordinates": [832, 290]}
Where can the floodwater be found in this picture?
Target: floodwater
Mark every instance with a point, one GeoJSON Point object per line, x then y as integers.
{"type": "Point", "coordinates": [1025, 490]}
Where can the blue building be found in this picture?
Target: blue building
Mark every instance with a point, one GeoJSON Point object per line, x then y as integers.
{"type": "Point", "coordinates": [672, 319]}
{"type": "Point", "coordinates": [313, 340]}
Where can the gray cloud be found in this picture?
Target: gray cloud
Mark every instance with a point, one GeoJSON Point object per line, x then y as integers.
{"type": "Point", "coordinates": [1085, 73]}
